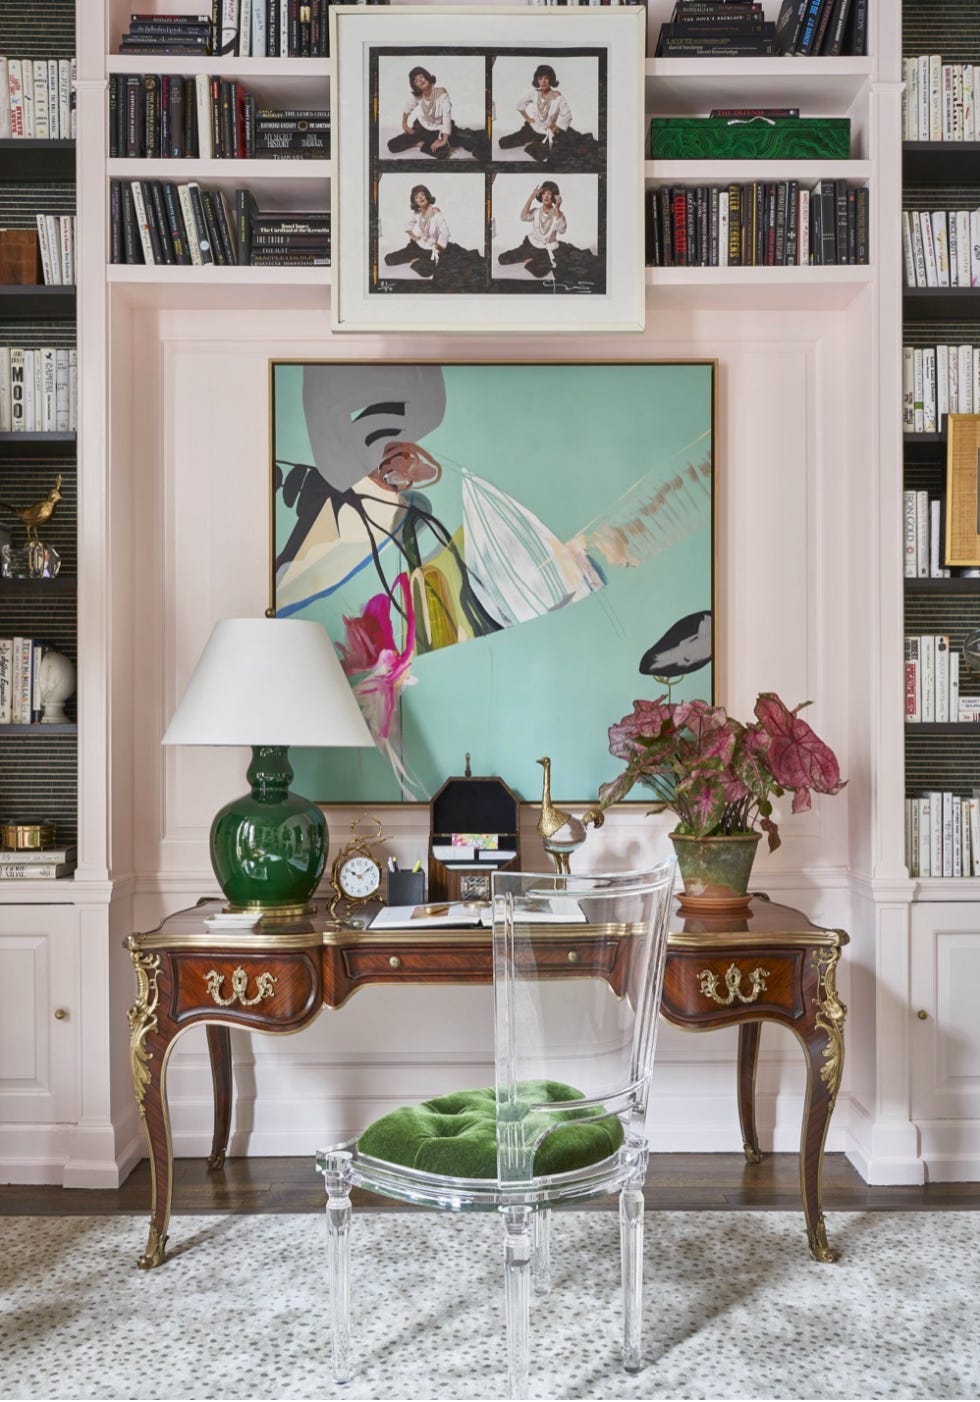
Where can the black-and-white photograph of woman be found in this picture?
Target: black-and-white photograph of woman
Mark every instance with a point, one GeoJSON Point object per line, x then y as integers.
{"type": "Point", "coordinates": [548, 232]}
{"type": "Point", "coordinates": [423, 240]}
{"type": "Point", "coordinates": [557, 123]}
{"type": "Point", "coordinates": [420, 115]}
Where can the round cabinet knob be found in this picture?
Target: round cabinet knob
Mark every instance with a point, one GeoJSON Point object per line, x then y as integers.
{"type": "Point", "coordinates": [61, 1014]}
{"type": "Point", "coordinates": [922, 1014]}
{"type": "Point", "coordinates": [572, 956]}
{"type": "Point", "coordinates": [394, 961]}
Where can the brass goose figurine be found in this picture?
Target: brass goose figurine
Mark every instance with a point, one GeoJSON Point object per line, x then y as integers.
{"type": "Point", "coordinates": [560, 832]}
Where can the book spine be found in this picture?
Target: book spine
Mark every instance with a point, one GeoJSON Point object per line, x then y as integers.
{"type": "Point", "coordinates": [39, 78]}
{"type": "Point", "coordinates": [229, 27]}
{"type": "Point", "coordinates": [913, 681]}
{"type": "Point", "coordinates": [6, 679]}
{"type": "Point", "coordinates": [204, 241]}
{"type": "Point", "coordinates": [48, 406]}
{"type": "Point", "coordinates": [175, 223]}
{"type": "Point", "coordinates": [41, 856]}
{"type": "Point", "coordinates": [40, 871]}
{"type": "Point", "coordinates": [6, 133]}
{"type": "Point", "coordinates": [15, 91]}
{"type": "Point", "coordinates": [18, 370]}
{"type": "Point", "coordinates": [72, 389]}
{"type": "Point", "coordinates": [190, 224]}
{"type": "Point", "coordinates": [162, 220]}
{"type": "Point", "coordinates": [142, 224]}
{"type": "Point", "coordinates": [5, 420]}
{"type": "Point", "coordinates": [62, 391]}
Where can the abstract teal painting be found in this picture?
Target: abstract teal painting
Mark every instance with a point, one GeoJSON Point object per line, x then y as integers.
{"type": "Point", "coordinates": [505, 557]}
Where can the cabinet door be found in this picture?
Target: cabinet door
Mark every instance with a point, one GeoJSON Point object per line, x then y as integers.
{"type": "Point", "coordinates": [945, 1046]}
{"type": "Point", "coordinates": [38, 1049]}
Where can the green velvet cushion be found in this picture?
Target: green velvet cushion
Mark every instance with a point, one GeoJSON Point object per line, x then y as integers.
{"type": "Point", "coordinates": [456, 1134]}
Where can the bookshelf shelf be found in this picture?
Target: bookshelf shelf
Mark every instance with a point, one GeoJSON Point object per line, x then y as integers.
{"type": "Point", "coordinates": [940, 162]}
{"type": "Point", "coordinates": [790, 288]}
{"type": "Point", "coordinates": [704, 172]}
{"type": "Point", "coordinates": [66, 728]}
{"type": "Point", "coordinates": [934, 730]}
{"type": "Point", "coordinates": [923, 447]}
{"type": "Point", "coordinates": [218, 67]}
{"type": "Point", "coordinates": [37, 302]}
{"type": "Point", "coordinates": [23, 158]}
{"type": "Point", "coordinates": [941, 303]}
{"type": "Point", "coordinates": [17, 446]}
{"type": "Point", "coordinates": [219, 289]}
{"type": "Point", "coordinates": [61, 584]}
{"type": "Point", "coordinates": [943, 586]}
{"type": "Point", "coordinates": [692, 86]}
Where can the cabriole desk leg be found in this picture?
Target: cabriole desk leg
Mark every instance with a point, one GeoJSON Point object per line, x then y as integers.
{"type": "Point", "coordinates": [748, 1060]}
{"type": "Point", "coordinates": [149, 1045]}
{"type": "Point", "coordinates": [823, 1039]}
{"type": "Point", "coordinates": [219, 1050]}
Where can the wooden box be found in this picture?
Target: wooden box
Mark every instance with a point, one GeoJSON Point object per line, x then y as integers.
{"type": "Point", "coordinates": [468, 805]}
{"type": "Point", "coordinates": [20, 258]}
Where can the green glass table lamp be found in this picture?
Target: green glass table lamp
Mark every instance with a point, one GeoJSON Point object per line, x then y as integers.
{"type": "Point", "coordinates": [268, 683]}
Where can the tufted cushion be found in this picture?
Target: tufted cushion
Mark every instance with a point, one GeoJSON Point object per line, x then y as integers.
{"type": "Point", "coordinates": [456, 1134]}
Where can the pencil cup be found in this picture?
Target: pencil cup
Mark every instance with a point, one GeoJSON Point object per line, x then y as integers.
{"type": "Point", "coordinates": [406, 887]}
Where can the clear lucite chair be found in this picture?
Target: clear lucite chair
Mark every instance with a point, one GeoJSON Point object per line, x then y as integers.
{"type": "Point", "coordinates": [578, 966]}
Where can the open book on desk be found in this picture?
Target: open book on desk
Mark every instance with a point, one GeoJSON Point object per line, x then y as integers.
{"type": "Point", "coordinates": [551, 910]}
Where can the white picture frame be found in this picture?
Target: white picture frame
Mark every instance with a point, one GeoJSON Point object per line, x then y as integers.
{"type": "Point", "coordinates": [444, 209]}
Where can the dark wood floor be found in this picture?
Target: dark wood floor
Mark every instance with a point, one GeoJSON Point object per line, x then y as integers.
{"type": "Point", "coordinates": [676, 1182]}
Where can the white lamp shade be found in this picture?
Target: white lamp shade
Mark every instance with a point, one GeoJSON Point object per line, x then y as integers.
{"type": "Point", "coordinates": [268, 681]}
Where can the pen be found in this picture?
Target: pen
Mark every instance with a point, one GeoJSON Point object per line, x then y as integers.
{"type": "Point", "coordinates": [392, 864]}
{"type": "Point", "coordinates": [417, 866]}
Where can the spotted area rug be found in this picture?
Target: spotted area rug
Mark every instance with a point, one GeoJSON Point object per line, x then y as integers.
{"type": "Point", "coordinates": [734, 1308]}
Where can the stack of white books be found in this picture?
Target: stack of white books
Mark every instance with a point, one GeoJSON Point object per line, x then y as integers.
{"type": "Point", "coordinates": [37, 98]}
{"type": "Point", "coordinates": [43, 864]}
{"type": "Point", "coordinates": [942, 834]}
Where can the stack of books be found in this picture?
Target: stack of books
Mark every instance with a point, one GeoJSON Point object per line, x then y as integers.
{"type": "Point", "coordinates": [822, 27]}
{"type": "Point", "coordinates": [275, 28]}
{"type": "Point", "coordinates": [38, 389]}
{"type": "Point", "coordinates": [716, 28]}
{"type": "Point", "coordinates": [37, 98]}
{"type": "Point", "coordinates": [167, 34]}
{"type": "Point", "coordinates": [287, 239]}
{"type": "Point", "coordinates": [294, 134]}
{"type": "Point", "coordinates": [56, 235]}
{"type": "Point", "coordinates": [936, 381]}
{"type": "Point", "coordinates": [40, 864]}
{"type": "Point", "coordinates": [20, 680]}
{"type": "Point", "coordinates": [932, 682]}
{"type": "Point", "coordinates": [942, 247]}
{"type": "Point", "coordinates": [939, 99]}
{"type": "Point", "coordinates": [942, 834]}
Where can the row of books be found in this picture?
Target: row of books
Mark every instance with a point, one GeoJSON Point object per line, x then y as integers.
{"type": "Point", "coordinates": [37, 98]}
{"type": "Point", "coordinates": [932, 682]}
{"type": "Point", "coordinates": [38, 389]}
{"type": "Point", "coordinates": [39, 864]}
{"type": "Point", "coordinates": [936, 381]}
{"type": "Point", "coordinates": [20, 680]}
{"type": "Point", "coordinates": [160, 116]}
{"type": "Point", "coordinates": [56, 237]}
{"type": "Point", "coordinates": [942, 834]}
{"type": "Point", "coordinates": [822, 27]}
{"type": "Point", "coordinates": [160, 222]}
{"type": "Point", "coordinates": [713, 28]}
{"type": "Point", "coordinates": [243, 28]}
{"type": "Point", "coordinates": [760, 224]}
{"type": "Point", "coordinates": [942, 247]}
{"type": "Point", "coordinates": [923, 531]}
{"type": "Point", "coordinates": [939, 99]}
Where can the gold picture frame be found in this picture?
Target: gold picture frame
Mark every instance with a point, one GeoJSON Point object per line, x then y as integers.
{"type": "Point", "coordinates": [962, 535]}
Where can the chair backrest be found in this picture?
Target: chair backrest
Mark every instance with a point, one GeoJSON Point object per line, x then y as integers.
{"type": "Point", "coordinates": [578, 965]}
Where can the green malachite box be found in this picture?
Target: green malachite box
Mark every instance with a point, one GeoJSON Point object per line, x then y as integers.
{"type": "Point", "coordinates": [769, 139]}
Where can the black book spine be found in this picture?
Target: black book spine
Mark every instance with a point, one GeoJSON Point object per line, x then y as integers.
{"type": "Point", "coordinates": [816, 227]}
{"type": "Point", "coordinates": [155, 21]}
{"type": "Point", "coordinates": [132, 245]}
{"type": "Point", "coordinates": [305, 28]}
{"type": "Point", "coordinates": [704, 225]}
{"type": "Point", "coordinates": [163, 44]}
{"type": "Point", "coordinates": [175, 223]}
{"type": "Point", "coordinates": [248, 115]}
{"type": "Point", "coordinates": [215, 92]}
{"type": "Point", "coordinates": [788, 24]}
{"type": "Point", "coordinates": [204, 242]}
{"type": "Point", "coordinates": [793, 222]}
{"type": "Point", "coordinates": [852, 226]}
{"type": "Point", "coordinates": [224, 227]}
{"type": "Point", "coordinates": [134, 124]}
{"type": "Point", "coordinates": [779, 242]}
{"type": "Point", "coordinates": [734, 226]}
{"type": "Point", "coordinates": [115, 222]}
{"type": "Point", "coordinates": [316, 242]}
{"type": "Point", "coordinates": [156, 247]}
{"type": "Point", "coordinates": [165, 82]}
{"type": "Point", "coordinates": [809, 32]}
{"type": "Point", "coordinates": [293, 28]}
{"type": "Point", "coordinates": [835, 29]}
{"type": "Point", "coordinates": [120, 113]}
{"type": "Point", "coordinates": [151, 115]}
{"type": "Point", "coordinates": [691, 225]}
{"type": "Point", "coordinates": [177, 118]}
{"type": "Point", "coordinates": [160, 216]}
{"type": "Point", "coordinates": [678, 203]}
{"type": "Point", "coordinates": [316, 26]}
{"type": "Point", "coordinates": [861, 222]}
{"type": "Point", "coordinates": [840, 220]}
{"type": "Point", "coordinates": [713, 227]}
{"type": "Point", "coordinates": [272, 29]}
{"type": "Point", "coordinates": [211, 224]}
{"type": "Point", "coordinates": [172, 30]}
{"type": "Point", "coordinates": [856, 39]}
{"type": "Point", "coordinates": [191, 144]}
{"type": "Point", "coordinates": [760, 223]}
{"type": "Point", "coordinates": [769, 243]}
{"type": "Point", "coordinates": [823, 23]}
{"type": "Point", "coordinates": [227, 122]}
{"type": "Point", "coordinates": [243, 217]}
{"type": "Point", "coordinates": [235, 116]}
{"type": "Point", "coordinates": [266, 259]}
{"type": "Point", "coordinates": [114, 80]}
{"type": "Point", "coordinates": [828, 222]}
{"type": "Point", "coordinates": [666, 226]}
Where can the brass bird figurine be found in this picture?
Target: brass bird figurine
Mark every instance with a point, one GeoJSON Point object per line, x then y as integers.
{"type": "Point", "coordinates": [560, 832]}
{"type": "Point", "coordinates": [36, 514]}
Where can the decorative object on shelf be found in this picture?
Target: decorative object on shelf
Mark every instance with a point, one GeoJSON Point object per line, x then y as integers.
{"type": "Point", "coordinates": [750, 139]}
{"type": "Point", "coordinates": [268, 683]}
{"type": "Point", "coordinates": [56, 674]}
{"type": "Point", "coordinates": [491, 502]}
{"type": "Point", "coordinates": [356, 874]}
{"type": "Point", "coordinates": [20, 257]}
{"type": "Point", "coordinates": [467, 806]}
{"type": "Point", "coordinates": [962, 497]}
{"type": "Point", "coordinates": [490, 245]}
{"type": "Point", "coordinates": [35, 560]}
{"type": "Point", "coordinates": [562, 833]}
{"type": "Point", "coordinates": [27, 837]}
{"type": "Point", "coordinates": [971, 651]}
{"type": "Point", "coordinates": [719, 777]}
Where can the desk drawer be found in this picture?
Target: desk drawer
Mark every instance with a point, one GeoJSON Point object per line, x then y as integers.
{"type": "Point", "coordinates": [701, 988]}
{"type": "Point", "coordinates": [473, 963]}
{"type": "Point", "coordinates": [248, 988]}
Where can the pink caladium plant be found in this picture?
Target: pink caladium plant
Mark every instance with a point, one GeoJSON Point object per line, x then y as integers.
{"type": "Point", "coordinates": [718, 775]}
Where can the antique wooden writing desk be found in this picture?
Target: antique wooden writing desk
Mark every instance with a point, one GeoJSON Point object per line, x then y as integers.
{"type": "Point", "coordinates": [771, 966]}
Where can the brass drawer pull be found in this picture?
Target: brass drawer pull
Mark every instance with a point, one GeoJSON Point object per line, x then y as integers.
{"type": "Point", "coordinates": [573, 956]}
{"type": "Point", "coordinates": [708, 983]}
{"type": "Point", "coordinates": [394, 961]}
{"type": "Point", "coordinates": [264, 988]}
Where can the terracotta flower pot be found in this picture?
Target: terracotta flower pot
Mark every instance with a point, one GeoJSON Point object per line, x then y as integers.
{"type": "Point", "coordinates": [716, 871]}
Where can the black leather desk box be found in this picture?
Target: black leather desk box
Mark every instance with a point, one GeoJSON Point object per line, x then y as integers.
{"type": "Point", "coordinates": [484, 805]}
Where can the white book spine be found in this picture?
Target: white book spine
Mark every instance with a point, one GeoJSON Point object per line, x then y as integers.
{"type": "Point", "coordinates": [942, 384]}
{"type": "Point", "coordinates": [17, 405]}
{"type": "Point", "coordinates": [72, 87]}
{"type": "Point", "coordinates": [928, 248]}
{"type": "Point", "coordinates": [913, 681]}
{"type": "Point", "coordinates": [964, 376]}
{"type": "Point", "coordinates": [66, 223]}
{"type": "Point", "coordinates": [723, 221]}
{"type": "Point", "coordinates": [54, 114]}
{"type": "Point", "coordinates": [935, 97]}
{"type": "Point", "coordinates": [54, 248]}
{"type": "Point", "coordinates": [16, 657]}
{"type": "Point", "coordinates": [190, 224]}
{"type": "Point", "coordinates": [259, 19]}
{"type": "Point", "coordinates": [62, 415]}
{"type": "Point", "coordinates": [966, 860]}
{"type": "Point", "coordinates": [27, 85]}
{"type": "Point", "coordinates": [942, 679]}
{"type": "Point", "coordinates": [64, 99]}
{"type": "Point", "coordinates": [940, 241]}
{"type": "Point", "coordinates": [922, 533]}
{"type": "Point", "coordinates": [929, 390]}
{"type": "Point", "coordinates": [911, 838]}
{"type": "Point", "coordinates": [935, 545]}
{"type": "Point", "coordinates": [947, 835]}
{"type": "Point", "coordinates": [964, 259]}
{"type": "Point", "coordinates": [957, 836]}
{"type": "Point", "coordinates": [975, 834]}
{"type": "Point", "coordinates": [229, 26]}
{"type": "Point", "coordinates": [803, 240]}
{"type": "Point", "coordinates": [907, 248]}
{"type": "Point", "coordinates": [15, 93]}
{"type": "Point", "coordinates": [48, 389]}
{"type": "Point", "coordinates": [73, 390]}
{"type": "Point", "coordinates": [976, 375]}
{"type": "Point", "coordinates": [908, 390]}
{"type": "Point", "coordinates": [927, 662]}
{"type": "Point", "coordinates": [946, 74]}
{"type": "Point", "coordinates": [975, 247]}
{"type": "Point", "coordinates": [969, 122]}
{"type": "Point", "coordinates": [142, 224]}
{"type": "Point", "coordinates": [954, 685]}
{"type": "Point", "coordinates": [925, 835]}
{"type": "Point", "coordinates": [6, 423]}
{"type": "Point", "coordinates": [952, 231]}
{"type": "Point", "coordinates": [918, 413]}
{"type": "Point", "coordinates": [6, 677]}
{"type": "Point", "coordinates": [284, 32]}
{"type": "Point", "coordinates": [30, 391]}
{"type": "Point", "coordinates": [39, 78]}
{"type": "Point", "coordinates": [923, 90]}
{"type": "Point", "coordinates": [5, 127]}
{"type": "Point", "coordinates": [957, 102]}
{"type": "Point", "coordinates": [203, 97]}
{"type": "Point", "coordinates": [909, 127]}
{"type": "Point", "coordinates": [42, 239]}
{"type": "Point", "coordinates": [245, 28]}
{"type": "Point", "coordinates": [918, 249]}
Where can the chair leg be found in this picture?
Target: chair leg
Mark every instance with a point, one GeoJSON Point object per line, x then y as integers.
{"type": "Point", "coordinates": [541, 1251]}
{"type": "Point", "coordinates": [336, 1176]}
{"type": "Point", "coordinates": [631, 1246]}
{"type": "Point", "coordinates": [517, 1270]}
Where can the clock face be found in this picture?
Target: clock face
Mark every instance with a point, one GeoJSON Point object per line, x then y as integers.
{"type": "Point", "coordinates": [359, 877]}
